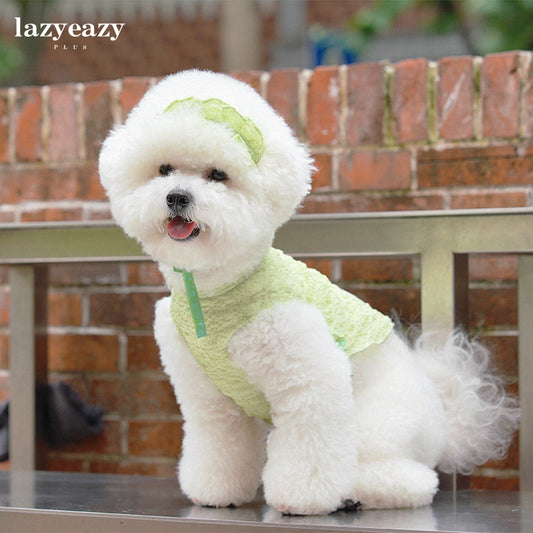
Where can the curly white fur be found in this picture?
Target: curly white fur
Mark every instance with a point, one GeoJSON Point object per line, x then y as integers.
{"type": "Point", "coordinates": [370, 428]}
{"type": "Point", "coordinates": [481, 416]}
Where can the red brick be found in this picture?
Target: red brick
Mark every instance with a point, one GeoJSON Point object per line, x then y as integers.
{"type": "Point", "coordinates": [98, 116]}
{"type": "Point", "coordinates": [83, 353]}
{"type": "Point", "coordinates": [409, 96]}
{"type": "Point", "coordinates": [405, 301]}
{"type": "Point", "coordinates": [322, 177]}
{"type": "Point", "coordinates": [362, 203]}
{"type": "Point", "coordinates": [135, 310]}
{"type": "Point", "coordinates": [133, 89]}
{"type": "Point", "coordinates": [323, 101]}
{"type": "Point", "coordinates": [57, 463]}
{"type": "Point", "coordinates": [492, 267]}
{"type": "Point", "coordinates": [283, 95]}
{"type": "Point", "coordinates": [488, 199]}
{"type": "Point", "coordinates": [4, 386]}
{"type": "Point", "coordinates": [377, 270]}
{"type": "Point", "coordinates": [50, 214]}
{"type": "Point", "coordinates": [528, 101]}
{"type": "Point", "coordinates": [63, 136]}
{"type": "Point", "coordinates": [4, 351]}
{"type": "Point", "coordinates": [250, 77]}
{"type": "Point", "coordinates": [4, 306]}
{"type": "Point", "coordinates": [455, 98]}
{"type": "Point", "coordinates": [142, 396]}
{"type": "Point", "coordinates": [62, 183]}
{"type": "Point", "coordinates": [500, 92]}
{"type": "Point", "coordinates": [322, 265]}
{"type": "Point", "coordinates": [492, 306]}
{"type": "Point", "coordinates": [64, 308]}
{"type": "Point", "coordinates": [28, 119]}
{"type": "Point", "coordinates": [489, 166]}
{"type": "Point", "coordinates": [4, 126]}
{"type": "Point", "coordinates": [375, 170]}
{"type": "Point", "coordinates": [107, 393]}
{"type": "Point", "coordinates": [133, 466]}
{"type": "Point", "coordinates": [84, 274]}
{"type": "Point", "coordinates": [133, 396]}
{"type": "Point", "coordinates": [364, 121]}
{"type": "Point", "coordinates": [154, 438]}
{"type": "Point", "coordinates": [142, 353]}
{"type": "Point", "coordinates": [108, 442]}
{"type": "Point", "coordinates": [493, 483]}
{"type": "Point", "coordinates": [144, 273]}
{"type": "Point", "coordinates": [504, 350]}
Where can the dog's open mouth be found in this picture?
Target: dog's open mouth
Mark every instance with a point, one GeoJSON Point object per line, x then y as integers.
{"type": "Point", "coordinates": [181, 229]}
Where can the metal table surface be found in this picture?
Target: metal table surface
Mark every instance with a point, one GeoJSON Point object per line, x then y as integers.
{"type": "Point", "coordinates": [60, 502]}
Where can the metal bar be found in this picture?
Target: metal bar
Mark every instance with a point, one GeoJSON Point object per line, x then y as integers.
{"type": "Point", "coordinates": [443, 290]}
{"type": "Point", "coordinates": [492, 231]}
{"type": "Point", "coordinates": [66, 243]}
{"type": "Point", "coordinates": [350, 234]}
{"type": "Point", "coordinates": [28, 361]}
{"type": "Point", "coordinates": [525, 373]}
{"type": "Point", "coordinates": [437, 290]}
{"type": "Point", "coordinates": [22, 368]}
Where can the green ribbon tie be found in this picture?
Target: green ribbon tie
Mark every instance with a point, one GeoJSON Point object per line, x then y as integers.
{"type": "Point", "coordinates": [194, 302]}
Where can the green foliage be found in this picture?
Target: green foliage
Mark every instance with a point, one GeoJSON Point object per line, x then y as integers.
{"type": "Point", "coordinates": [503, 24]}
{"type": "Point", "coordinates": [10, 60]}
{"type": "Point", "coordinates": [487, 25]}
{"type": "Point", "coordinates": [18, 59]}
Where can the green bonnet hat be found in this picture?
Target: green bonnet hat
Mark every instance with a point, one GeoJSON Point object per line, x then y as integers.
{"type": "Point", "coordinates": [244, 129]}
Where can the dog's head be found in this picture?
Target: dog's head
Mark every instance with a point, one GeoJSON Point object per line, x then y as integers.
{"type": "Point", "coordinates": [203, 171]}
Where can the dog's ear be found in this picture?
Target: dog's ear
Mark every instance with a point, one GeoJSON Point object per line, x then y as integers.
{"type": "Point", "coordinates": [110, 157]}
{"type": "Point", "coordinates": [286, 169]}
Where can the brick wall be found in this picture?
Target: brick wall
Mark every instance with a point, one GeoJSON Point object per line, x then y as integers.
{"type": "Point", "coordinates": [413, 135]}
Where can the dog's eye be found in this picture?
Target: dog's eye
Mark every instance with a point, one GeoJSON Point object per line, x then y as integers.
{"type": "Point", "coordinates": [217, 175]}
{"type": "Point", "coordinates": [165, 169]}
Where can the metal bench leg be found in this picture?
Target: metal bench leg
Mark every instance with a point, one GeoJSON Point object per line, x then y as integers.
{"type": "Point", "coordinates": [525, 360]}
{"type": "Point", "coordinates": [444, 299]}
{"type": "Point", "coordinates": [28, 362]}
{"type": "Point", "coordinates": [444, 290]}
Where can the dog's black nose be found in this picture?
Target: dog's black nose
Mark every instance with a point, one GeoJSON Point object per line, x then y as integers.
{"type": "Point", "coordinates": [178, 199]}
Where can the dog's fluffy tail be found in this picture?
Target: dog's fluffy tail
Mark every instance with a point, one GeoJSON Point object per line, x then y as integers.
{"type": "Point", "coordinates": [481, 416]}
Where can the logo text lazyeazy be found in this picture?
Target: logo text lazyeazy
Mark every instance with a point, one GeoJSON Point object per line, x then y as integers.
{"type": "Point", "coordinates": [54, 30]}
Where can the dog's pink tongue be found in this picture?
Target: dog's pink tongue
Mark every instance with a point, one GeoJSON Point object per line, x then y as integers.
{"type": "Point", "coordinates": [180, 229]}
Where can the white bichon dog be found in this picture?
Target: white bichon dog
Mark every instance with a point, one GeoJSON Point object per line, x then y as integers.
{"type": "Point", "coordinates": [283, 378]}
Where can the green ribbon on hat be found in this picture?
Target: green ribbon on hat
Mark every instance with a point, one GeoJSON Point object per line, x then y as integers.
{"type": "Point", "coordinates": [215, 110]}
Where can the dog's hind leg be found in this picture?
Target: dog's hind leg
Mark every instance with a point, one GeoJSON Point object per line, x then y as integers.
{"type": "Point", "coordinates": [395, 483]}
{"type": "Point", "coordinates": [289, 354]}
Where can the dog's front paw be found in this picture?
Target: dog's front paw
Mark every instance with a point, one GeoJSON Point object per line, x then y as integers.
{"type": "Point", "coordinates": [291, 500]}
{"type": "Point", "coordinates": [215, 484]}
{"type": "Point", "coordinates": [308, 491]}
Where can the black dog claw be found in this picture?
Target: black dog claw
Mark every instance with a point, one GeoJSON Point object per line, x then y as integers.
{"type": "Point", "coordinates": [350, 505]}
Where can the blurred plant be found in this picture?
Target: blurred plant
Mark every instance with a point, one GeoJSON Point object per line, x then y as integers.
{"type": "Point", "coordinates": [18, 59]}
{"type": "Point", "coordinates": [333, 47]}
{"type": "Point", "coordinates": [10, 60]}
{"type": "Point", "coordinates": [485, 25]}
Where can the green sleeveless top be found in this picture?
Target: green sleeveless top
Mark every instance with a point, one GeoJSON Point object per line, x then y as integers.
{"type": "Point", "coordinates": [279, 279]}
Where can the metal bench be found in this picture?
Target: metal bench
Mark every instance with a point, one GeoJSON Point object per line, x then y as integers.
{"type": "Point", "coordinates": [442, 239]}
